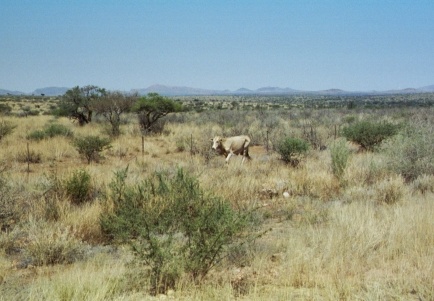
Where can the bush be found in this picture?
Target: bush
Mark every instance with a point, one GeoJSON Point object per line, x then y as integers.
{"type": "Point", "coordinates": [50, 131]}
{"type": "Point", "coordinates": [91, 147]}
{"type": "Point", "coordinates": [6, 128]}
{"type": "Point", "coordinates": [36, 135]}
{"type": "Point", "coordinates": [339, 153]}
{"type": "Point", "coordinates": [54, 129]}
{"type": "Point", "coordinates": [5, 109]}
{"type": "Point", "coordinates": [29, 157]}
{"type": "Point", "coordinates": [369, 134]}
{"type": "Point", "coordinates": [49, 244]}
{"type": "Point", "coordinates": [79, 187]}
{"type": "Point", "coordinates": [290, 150]}
{"type": "Point", "coordinates": [410, 153]}
{"type": "Point", "coordinates": [172, 225]}
{"type": "Point", "coordinates": [390, 191]}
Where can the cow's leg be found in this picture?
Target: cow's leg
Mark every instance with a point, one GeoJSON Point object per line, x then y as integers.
{"type": "Point", "coordinates": [228, 157]}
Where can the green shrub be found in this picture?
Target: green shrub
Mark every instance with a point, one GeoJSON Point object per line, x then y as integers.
{"type": "Point", "coordinates": [369, 134]}
{"type": "Point", "coordinates": [6, 128]}
{"type": "Point", "coordinates": [172, 225]}
{"type": "Point", "coordinates": [50, 131]}
{"type": "Point", "coordinates": [410, 153]}
{"type": "Point", "coordinates": [54, 129]}
{"type": "Point", "coordinates": [291, 150]}
{"type": "Point", "coordinates": [91, 147]}
{"type": "Point", "coordinates": [36, 135]}
{"type": "Point", "coordinates": [79, 187]}
{"type": "Point", "coordinates": [339, 154]}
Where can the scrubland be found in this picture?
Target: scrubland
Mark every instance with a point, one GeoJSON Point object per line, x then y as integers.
{"type": "Point", "coordinates": [366, 235]}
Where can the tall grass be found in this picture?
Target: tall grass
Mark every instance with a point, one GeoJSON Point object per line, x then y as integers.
{"type": "Point", "coordinates": [370, 239]}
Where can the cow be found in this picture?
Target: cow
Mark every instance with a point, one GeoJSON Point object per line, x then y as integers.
{"type": "Point", "coordinates": [238, 145]}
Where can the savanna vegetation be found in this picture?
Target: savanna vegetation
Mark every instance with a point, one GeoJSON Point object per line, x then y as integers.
{"type": "Point", "coordinates": [108, 196]}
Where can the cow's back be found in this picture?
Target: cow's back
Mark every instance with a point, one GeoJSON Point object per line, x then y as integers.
{"type": "Point", "coordinates": [237, 143]}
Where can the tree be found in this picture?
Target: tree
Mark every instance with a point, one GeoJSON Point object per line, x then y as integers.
{"type": "Point", "coordinates": [77, 102]}
{"type": "Point", "coordinates": [152, 107]}
{"type": "Point", "coordinates": [111, 106]}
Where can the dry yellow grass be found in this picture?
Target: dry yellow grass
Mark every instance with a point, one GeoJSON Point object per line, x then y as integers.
{"type": "Point", "coordinates": [368, 238]}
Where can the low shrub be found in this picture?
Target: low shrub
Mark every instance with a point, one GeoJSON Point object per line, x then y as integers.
{"type": "Point", "coordinates": [410, 153]}
{"type": "Point", "coordinates": [55, 129]}
{"type": "Point", "coordinates": [339, 154]}
{"type": "Point", "coordinates": [49, 244]}
{"type": "Point", "coordinates": [36, 135]}
{"type": "Point", "coordinates": [6, 128]}
{"type": "Point", "coordinates": [369, 134]}
{"type": "Point", "coordinates": [172, 225]}
{"type": "Point", "coordinates": [79, 187]}
{"type": "Point", "coordinates": [50, 131]}
{"type": "Point", "coordinates": [291, 150]}
{"type": "Point", "coordinates": [29, 157]}
{"type": "Point", "coordinates": [91, 147]}
{"type": "Point", "coordinates": [390, 191]}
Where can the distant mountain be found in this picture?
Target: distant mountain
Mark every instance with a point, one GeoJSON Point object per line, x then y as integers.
{"type": "Point", "coordinates": [51, 91]}
{"type": "Point", "coordinates": [173, 91]}
{"type": "Point", "coordinates": [427, 89]}
{"type": "Point", "coordinates": [332, 91]}
{"type": "Point", "coordinates": [185, 91]}
{"type": "Point", "coordinates": [243, 91]}
{"type": "Point", "coordinates": [9, 92]}
{"type": "Point", "coordinates": [276, 90]}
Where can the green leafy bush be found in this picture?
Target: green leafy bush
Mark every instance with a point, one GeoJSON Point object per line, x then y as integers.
{"type": "Point", "coordinates": [173, 226]}
{"type": "Point", "coordinates": [369, 134]}
{"type": "Point", "coordinates": [91, 147]}
{"type": "Point", "coordinates": [79, 187]}
{"type": "Point", "coordinates": [291, 150]}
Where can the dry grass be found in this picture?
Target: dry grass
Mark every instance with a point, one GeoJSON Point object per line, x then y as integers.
{"type": "Point", "coordinates": [368, 237]}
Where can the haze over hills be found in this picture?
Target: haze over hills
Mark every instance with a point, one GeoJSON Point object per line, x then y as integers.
{"type": "Point", "coordinates": [185, 91]}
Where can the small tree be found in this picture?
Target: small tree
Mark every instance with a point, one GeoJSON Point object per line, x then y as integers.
{"type": "Point", "coordinates": [111, 106]}
{"type": "Point", "coordinates": [91, 147]}
{"type": "Point", "coordinates": [152, 107]}
{"type": "Point", "coordinates": [369, 134]}
{"type": "Point", "coordinates": [77, 103]}
{"type": "Point", "coordinates": [173, 226]}
{"type": "Point", "coordinates": [291, 149]}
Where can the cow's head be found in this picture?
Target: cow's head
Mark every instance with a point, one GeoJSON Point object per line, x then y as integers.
{"type": "Point", "coordinates": [216, 142]}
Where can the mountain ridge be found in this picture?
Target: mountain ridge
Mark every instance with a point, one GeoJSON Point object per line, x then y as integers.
{"type": "Point", "coordinates": [189, 91]}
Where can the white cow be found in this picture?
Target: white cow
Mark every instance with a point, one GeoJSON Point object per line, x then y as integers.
{"type": "Point", "coordinates": [238, 145]}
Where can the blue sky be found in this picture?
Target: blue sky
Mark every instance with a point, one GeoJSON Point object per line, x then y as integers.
{"type": "Point", "coordinates": [358, 45]}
